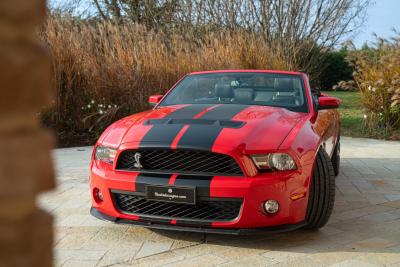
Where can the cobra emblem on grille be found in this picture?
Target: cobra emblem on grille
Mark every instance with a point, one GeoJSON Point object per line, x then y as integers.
{"type": "Point", "coordinates": [137, 163]}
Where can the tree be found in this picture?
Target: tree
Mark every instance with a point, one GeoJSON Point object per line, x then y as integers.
{"type": "Point", "coordinates": [151, 13]}
{"type": "Point", "coordinates": [300, 31]}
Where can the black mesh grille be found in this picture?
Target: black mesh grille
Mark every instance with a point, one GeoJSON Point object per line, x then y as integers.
{"type": "Point", "coordinates": [180, 161]}
{"type": "Point", "coordinates": [212, 210]}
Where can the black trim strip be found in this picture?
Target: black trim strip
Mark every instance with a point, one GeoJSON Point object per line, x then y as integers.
{"type": "Point", "coordinates": [222, 123]}
{"type": "Point", "coordinates": [199, 198]}
{"type": "Point", "coordinates": [189, 223]}
{"type": "Point", "coordinates": [144, 218]}
{"type": "Point", "coordinates": [182, 172]}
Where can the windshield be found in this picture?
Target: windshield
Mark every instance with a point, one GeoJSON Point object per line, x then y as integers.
{"type": "Point", "coordinates": [267, 89]}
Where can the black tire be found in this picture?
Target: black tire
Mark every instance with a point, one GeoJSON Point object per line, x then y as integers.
{"type": "Point", "coordinates": [336, 158]}
{"type": "Point", "coordinates": [321, 193]}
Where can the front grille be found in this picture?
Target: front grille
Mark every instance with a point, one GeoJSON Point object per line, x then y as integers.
{"type": "Point", "coordinates": [179, 161]}
{"type": "Point", "coordinates": [210, 210]}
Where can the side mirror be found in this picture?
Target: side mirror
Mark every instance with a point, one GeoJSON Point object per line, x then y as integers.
{"type": "Point", "coordinates": [155, 99]}
{"type": "Point", "coordinates": [328, 102]}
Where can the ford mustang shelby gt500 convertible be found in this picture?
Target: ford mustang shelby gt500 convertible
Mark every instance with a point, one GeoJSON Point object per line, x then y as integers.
{"type": "Point", "coordinates": [234, 151]}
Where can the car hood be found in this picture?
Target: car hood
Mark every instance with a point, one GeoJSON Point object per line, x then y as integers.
{"type": "Point", "coordinates": [254, 128]}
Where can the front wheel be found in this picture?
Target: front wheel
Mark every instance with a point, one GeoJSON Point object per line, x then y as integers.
{"type": "Point", "coordinates": [321, 193]}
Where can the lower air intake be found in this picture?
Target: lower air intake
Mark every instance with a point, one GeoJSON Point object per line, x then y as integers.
{"type": "Point", "coordinates": [218, 209]}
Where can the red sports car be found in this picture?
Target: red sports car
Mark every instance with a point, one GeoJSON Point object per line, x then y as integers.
{"type": "Point", "coordinates": [233, 151]}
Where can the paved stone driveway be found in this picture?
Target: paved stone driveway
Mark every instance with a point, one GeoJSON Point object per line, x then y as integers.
{"type": "Point", "coordinates": [364, 229]}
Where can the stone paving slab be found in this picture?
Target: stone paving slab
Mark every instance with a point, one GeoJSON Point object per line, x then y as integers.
{"type": "Point", "coordinates": [364, 229]}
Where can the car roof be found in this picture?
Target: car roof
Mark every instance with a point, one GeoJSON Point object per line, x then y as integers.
{"type": "Point", "coordinates": [247, 70]}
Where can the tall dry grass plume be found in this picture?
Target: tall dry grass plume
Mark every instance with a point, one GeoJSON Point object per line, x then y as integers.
{"type": "Point", "coordinates": [377, 75]}
{"type": "Point", "coordinates": [104, 71]}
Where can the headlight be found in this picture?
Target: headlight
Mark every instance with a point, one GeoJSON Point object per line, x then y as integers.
{"type": "Point", "coordinates": [105, 154]}
{"type": "Point", "coordinates": [276, 161]}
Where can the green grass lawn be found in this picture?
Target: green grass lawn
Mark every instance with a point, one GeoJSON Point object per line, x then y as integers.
{"type": "Point", "coordinates": [351, 113]}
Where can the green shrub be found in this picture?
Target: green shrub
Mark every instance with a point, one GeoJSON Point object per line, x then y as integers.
{"type": "Point", "coordinates": [337, 69]}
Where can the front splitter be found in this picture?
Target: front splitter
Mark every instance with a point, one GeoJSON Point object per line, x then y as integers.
{"type": "Point", "coordinates": [198, 229]}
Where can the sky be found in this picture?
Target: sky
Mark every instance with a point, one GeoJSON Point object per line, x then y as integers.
{"type": "Point", "coordinates": [382, 17]}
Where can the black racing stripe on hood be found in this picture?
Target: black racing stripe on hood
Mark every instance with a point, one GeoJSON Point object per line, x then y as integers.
{"type": "Point", "coordinates": [204, 136]}
{"type": "Point", "coordinates": [202, 183]}
{"type": "Point", "coordinates": [144, 179]}
{"type": "Point", "coordinates": [164, 134]}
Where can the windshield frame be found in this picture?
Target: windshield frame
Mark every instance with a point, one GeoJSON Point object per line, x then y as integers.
{"type": "Point", "coordinates": [301, 76]}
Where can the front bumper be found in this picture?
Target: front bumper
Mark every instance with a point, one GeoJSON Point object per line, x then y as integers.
{"type": "Point", "coordinates": [198, 229]}
{"type": "Point", "coordinates": [280, 186]}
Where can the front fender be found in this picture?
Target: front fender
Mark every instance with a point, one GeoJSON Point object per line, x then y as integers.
{"type": "Point", "coordinates": [304, 141]}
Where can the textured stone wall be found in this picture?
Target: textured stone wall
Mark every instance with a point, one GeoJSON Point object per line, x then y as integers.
{"type": "Point", "coordinates": [25, 162]}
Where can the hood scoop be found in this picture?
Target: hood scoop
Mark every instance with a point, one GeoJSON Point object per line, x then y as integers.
{"type": "Point", "coordinates": [220, 123]}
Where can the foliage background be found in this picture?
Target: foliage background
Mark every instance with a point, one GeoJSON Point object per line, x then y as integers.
{"type": "Point", "coordinates": [107, 64]}
{"type": "Point", "coordinates": [377, 76]}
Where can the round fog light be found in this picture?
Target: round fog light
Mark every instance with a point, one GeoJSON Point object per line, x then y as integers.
{"type": "Point", "coordinates": [98, 195]}
{"type": "Point", "coordinates": [271, 206]}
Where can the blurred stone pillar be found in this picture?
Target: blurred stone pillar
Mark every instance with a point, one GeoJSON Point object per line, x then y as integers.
{"type": "Point", "coordinates": [25, 162]}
